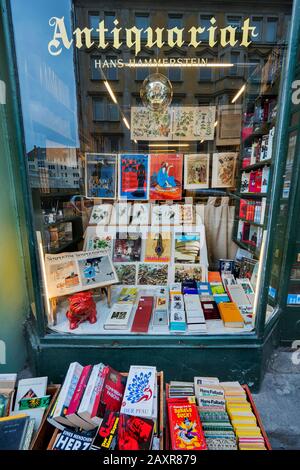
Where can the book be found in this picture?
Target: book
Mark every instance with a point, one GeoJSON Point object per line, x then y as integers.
{"type": "Point", "coordinates": [66, 393]}
{"type": "Point", "coordinates": [30, 388]}
{"type": "Point", "coordinates": [135, 433]}
{"type": "Point", "coordinates": [237, 295]}
{"type": "Point", "coordinates": [177, 320]}
{"type": "Point", "coordinates": [221, 298]}
{"type": "Point", "coordinates": [204, 288]}
{"type": "Point", "coordinates": [139, 393]}
{"type": "Point", "coordinates": [187, 247]}
{"type": "Point", "coordinates": [127, 295]}
{"type": "Point", "coordinates": [70, 440]}
{"type": "Point", "coordinates": [74, 405]}
{"type": "Point", "coordinates": [231, 315]}
{"type": "Point", "coordinates": [160, 319]}
{"type": "Point", "coordinates": [210, 310]}
{"type": "Point", "coordinates": [214, 276]}
{"type": "Point", "coordinates": [110, 395]}
{"type": "Point", "coordinates": [107, 433]}
{"type": "Point", "coordinates": [185, 428]}
{"type": "Point", "coordinates": [118, 317]}
{"type": "Point", "coordinates": [13, 432]}
{"type": "Point", "coordinates": [158, 247]}
{"type": "Point", "coordinates": [217, 288]}
{"type": "Point", "coordinates": [94, 386]}
{"type": "Point", "coordinates": [143, 315]}
{"type": "Point", "coordinates": [127, 247]}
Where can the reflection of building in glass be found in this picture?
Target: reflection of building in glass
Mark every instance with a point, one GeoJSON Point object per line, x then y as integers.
{"type": "Point", "coordinates": [53, 168]}
{"type": "Point", "coordinates": [100, 120]}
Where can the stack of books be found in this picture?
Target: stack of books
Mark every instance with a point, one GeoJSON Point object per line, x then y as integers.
{"type": "Point", "coordinates": [218, 431]}
{"type": "Point", "coordinates": [194, 314]}
{"type": "Point", "coordinates": [243, 419]}
{"type": "Point", "coordinates": [160, 312]}
{"type": "Point", "coordinates": [181, 389]}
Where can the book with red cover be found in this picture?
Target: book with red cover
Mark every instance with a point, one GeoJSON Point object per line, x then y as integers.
{"type": "Point", "coordinates": [111, 394]}
{"type": "Point", "coordinates": [143, 315]}
{"type": "Point", "coordinates": [258, 181]}
{"type": "Point", "coordinates": [106, 437]}
{"type": "Point", "coordinates": [210, 310]}
{"type": "Point", "coordinates": [73, 407]}
{"type": "Point", "coordinates": [243, 208]}
{"type": "Point", "coordinates": [135, 433]}
{"type": "Point", "coordinates": [252, 182]}
{"type": "Point", "coordinates": [185, 428]}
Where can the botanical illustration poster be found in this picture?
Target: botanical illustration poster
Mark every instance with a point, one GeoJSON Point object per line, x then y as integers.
{"type": "Point", "coordinates": [196, 171]}
{"type": "Point", "coordinates": [96, 239]}
{"type": "Point", "coordinates": [67, 273]}
{"type": "Point", "coordinates": [127, 247]}
{"type": "Point", "coordinates": [183, 123]}
{"type": "Point", "coordinates": [187, 247]}
{"type": "Point", "coordinates": [100, 175]}
{"type": "Point", "coordinates": [150, 125]}
{"type": "Point", "coordinates": [126, 273]}
{"type": "Point", "coordinates": [194, 123]}
{"type": "Point", "coordinates": [223, 173]}
{"type": "Point", "coordinates": [188, 272]}
{"type": "Point", "coordinates": [158, 247]}
{"type": "Point", "coordinates": [228, 131]}
{"type": "Point", "coordinates": [133, 176]}
{"type": "Point", "coordinates": [166, 177]}
{"type": "Point", "coordinates": [101, 214]}
{"type": "Point", "coordinates": [153, 274]}
{"type": "Point", "coordinates": [204, 120]}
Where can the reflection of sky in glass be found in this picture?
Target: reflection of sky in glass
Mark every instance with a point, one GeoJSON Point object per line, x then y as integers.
{"type": "Point", "coordinates": [47, 83]}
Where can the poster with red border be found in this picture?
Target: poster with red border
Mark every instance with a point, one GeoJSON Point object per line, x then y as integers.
{"type": "Point", "coordinates": [166, 177]}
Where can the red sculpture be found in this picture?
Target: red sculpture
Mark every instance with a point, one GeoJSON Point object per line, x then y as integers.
{"type": "Point", "coordinates": [82, 307]}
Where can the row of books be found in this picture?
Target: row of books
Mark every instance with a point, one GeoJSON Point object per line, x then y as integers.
{"type": "Point", "coordinates": [253, 211]}
{"type": "Point", "coordinates": [99, 408]}
{"type": "Point", "coordinates": [255, 181]}
{"type": "Point", "coordinates": [213, 415]}
{"type": "Point", "coordinates": [259, 151]}
{"type": "Point", "coordinates": [22, 410]}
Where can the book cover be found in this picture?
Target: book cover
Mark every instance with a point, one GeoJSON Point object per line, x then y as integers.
{"type": "Point", "coordinates": [135, 433]}
{"type": "Point", "coordinates": [210, 310]}
{"type": "Point", "coordinates": [187, 247]}
{"type": "Point", "coordinates": [118, 317]}
{"type": "Point", "coordinates": [79, 391]}
{"type": "Point", "coordinates": [166, 177]}
{"type": "Point", "coordinates": [127, 247]}
{"type": "Point", "coordinates": [127, 295]}
{"type": "Point", "coordinates": [214, 276]}
{"type": "Point", "coordinates": [13, 432]}
{"type": "Point", "coordinates": [140, 215]}
{"type": "Point", "coordinates": [185, 427]}
{"type": "Point", "coordinates": [231, 315]}
{"type": "Point", "coordinates": [30, 388]}
{"type": "Point", "coordinates": [107, 433]}
{"type": "Point", "coordinates": [111, 394]}
{"type": "Point", "coordinates": [92, 389]}
{"type": "Point", "coordinates": [69, 440]}
{"type": "Point", "coordinates": [217, 288]}
{"type": "Point", "coordinates": [203, 288]}
{"type": "Point", "coordinates": [139, 393]}
{"type": "Point", "coordinates": [134, 177]}
{"type": "Point", "coordinates": [143, 315]}
{"type": "Point", "coordinates": [158, 247]}
{"type": "Point", "coordinates": [237, 295]}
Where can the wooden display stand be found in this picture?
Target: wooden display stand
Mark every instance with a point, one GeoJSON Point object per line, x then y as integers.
{"type": "Point", "coordinates": [160, 421]}
{"type": "Point", "coordinates": [101, 290]}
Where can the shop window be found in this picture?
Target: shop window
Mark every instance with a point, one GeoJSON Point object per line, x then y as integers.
{"type": "Point", "coordinates": [257, 22]}
{"type": "Point", "coordinates": [142, 72]}
{"type": "Point", "coordinates": [175, 21]}
{"type": "Point", "coordinates": [95, 71]}
{"type": "Point", "coordinates": [109, 23]}
{"type": "Point", "coordinates": [271, 29]}
{"type": "Point", "coordinates": [175, 73]}
{"type": "Point", "coordinates": [104, 111]}
{"type": "Point", "coordinates": [234, 59]}
{"type": "Point", "coordinates": [142, 21]}
{"type": "Point", "coordinates": [94, 19]}
{"type": "Point", "coordinates": [206, 73]}
{"type": "Point", "coordinates": [111, 72]}
{"type": "Point", "coordinates": [235, 22]}
{"type": "Point", "coordinates": [205, 23]}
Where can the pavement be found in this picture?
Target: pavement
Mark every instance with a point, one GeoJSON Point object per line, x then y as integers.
{"type": "Point", "coordinates": [278, 400]}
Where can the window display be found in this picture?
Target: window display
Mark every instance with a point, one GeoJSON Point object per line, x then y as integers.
{"type": "Point", "coordinates": [155, 191]}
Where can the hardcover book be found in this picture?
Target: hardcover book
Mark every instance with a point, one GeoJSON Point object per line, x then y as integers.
{"type": "Point", "coordinates": [119, 317]}
{"type": "Point", "coordinates": [143, 315]}
{"type": "Point", "coordinates": [73, 408]}
{"type": "Point", "coordinates": [187, 247]}
{"type": "Point", "coordinates": [158, 247]}
{"type": "Point", "coordinates": [185, 428]}
{"type": "Point", "coordinates": [139, 393]}
{"type": "Point", "coordinates": [127, 247]}
{"type": "Point", "coordinates": [231, 315]}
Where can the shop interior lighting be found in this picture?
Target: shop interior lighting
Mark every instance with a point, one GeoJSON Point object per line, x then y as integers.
{"type": "Point", "coordinates": [239, 93]}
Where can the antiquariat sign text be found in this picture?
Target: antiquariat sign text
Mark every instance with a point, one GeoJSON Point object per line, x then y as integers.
{"type": "Point", "coordinates": [134, 38]}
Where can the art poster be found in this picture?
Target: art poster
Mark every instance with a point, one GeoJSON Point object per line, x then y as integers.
{"type": "Point", "coordinates": [204, 120]}
{"type": "Point", "coordinates": [134, 177]}
{"type": "Point", "coordinates": [163, 215]}
{"type": "Point", "coordinates": [127, 247]}
{"type": "Point", "coordinates": [100, 175]}
{"type": "Point", "coordinates": [223, 173]}
{"type": "Point", "coordinates": [196, 171]}
{"type": "Point", "coordinates": [189, 272]}
{"type": "Point", "coordinates": [166, 177]}
{"type": "Point", "coordinates": [228, 131]}
{"type": "Point", "coordinates": [150, 125]}
{"type": "Point", "coordinates": [153, 274]}
{"type": "Point", "coordinates": [184, 214]}
{"type": "Point", "coordinates": [158, 247]}
{"type": "Point", "coordinates": [95, 239]}
{"type": "Point", "coordinates": [126, 273]}
{"type": "Point", "coordinates": [100, 214]}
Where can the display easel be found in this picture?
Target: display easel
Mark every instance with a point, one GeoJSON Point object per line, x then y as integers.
{"type": "Point", "coordinates": [100, 290]}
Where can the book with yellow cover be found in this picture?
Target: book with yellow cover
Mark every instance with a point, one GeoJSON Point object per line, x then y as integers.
{"type": "Point", "coordinates": [158, 247]}
{"type": "Point", "coordinates": [231, 315]}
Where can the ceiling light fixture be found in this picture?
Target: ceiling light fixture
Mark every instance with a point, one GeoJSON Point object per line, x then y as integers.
{"type": "Point", "coordinates": [239, 93]}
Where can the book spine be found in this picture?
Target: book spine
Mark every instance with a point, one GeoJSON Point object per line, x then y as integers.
{"type": "Point", "coordinates": [96, 403]}
{"type": "Point", "coordinates": [80, 388]}
{"type": "Point", "coordinates": [89, 388]}
{"type": "Point", "coordinates": [68, 387]}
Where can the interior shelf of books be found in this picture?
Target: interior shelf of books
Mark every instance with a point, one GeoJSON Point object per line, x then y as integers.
{"type": "Point", "coordinates": [98, 408]}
